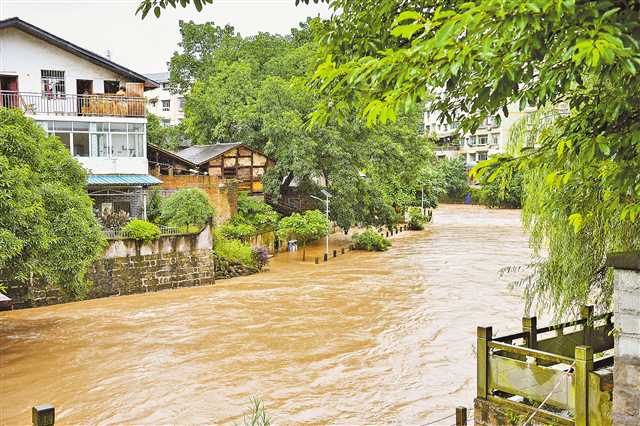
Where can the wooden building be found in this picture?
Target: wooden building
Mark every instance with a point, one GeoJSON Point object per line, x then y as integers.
{"type": "Point", "coordinates": [225, 161]}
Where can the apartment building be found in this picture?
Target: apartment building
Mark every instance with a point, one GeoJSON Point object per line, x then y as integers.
{"type": "Point", "coordinates": [489, 139]}
{"type": "Point", "coordinates": [95, 106]}
{"type": "Point", "coordinates": [161, 102]}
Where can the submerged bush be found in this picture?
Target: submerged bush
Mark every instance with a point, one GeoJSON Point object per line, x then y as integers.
{"type": "Point", "coordinates": [238, 230]}
{"type": "Point", "coordinates": [260, 256]}
{"type": "Point", "coordinates": [234, 250]}
{"type": "Point", "coordinates": [141, 230]}
{"type": "Point", "coordinates": [417, 220]}
{"type": "Point", "coordinates": [370, 240]}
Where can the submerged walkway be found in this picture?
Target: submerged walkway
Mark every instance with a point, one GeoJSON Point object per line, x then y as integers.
{"type": "Point", "coordinates": [369, 338]}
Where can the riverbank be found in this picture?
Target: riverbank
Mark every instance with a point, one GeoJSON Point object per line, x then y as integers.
{"type": "Point", "coordinates": [369, 338]}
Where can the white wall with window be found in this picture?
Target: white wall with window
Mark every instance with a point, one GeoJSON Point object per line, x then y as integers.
{"type": "Point", "coordinates": [169, 107]}
{"type": "Point", "coordinates": [103, 147]}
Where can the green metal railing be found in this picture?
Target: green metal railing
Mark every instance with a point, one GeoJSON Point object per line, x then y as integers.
{"type": "Point", "coordinates": [556, 365]}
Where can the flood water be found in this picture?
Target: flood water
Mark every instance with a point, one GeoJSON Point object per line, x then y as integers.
{"type": "Point", "coordinates": [369, 338]}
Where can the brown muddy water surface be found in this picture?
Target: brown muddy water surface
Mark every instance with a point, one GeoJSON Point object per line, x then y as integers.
{"type": "Point", "coordinates": [369, 338]}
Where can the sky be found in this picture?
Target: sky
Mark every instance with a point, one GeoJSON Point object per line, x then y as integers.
{"type": "Point", "coordinates": [146, 45]}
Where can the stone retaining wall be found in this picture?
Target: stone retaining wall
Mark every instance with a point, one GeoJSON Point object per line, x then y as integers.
{"type": "Point", "coordinates": [229, 269]}
{"type": "Point", "coordinates": [128, 267]}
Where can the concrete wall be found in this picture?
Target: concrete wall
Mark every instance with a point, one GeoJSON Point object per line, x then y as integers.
{"type": "Point", "coordinates": [128, 267]}
{"type": "Point", "coordinates": [626, 313]}
{"type": "Point", "coordinates": [223, 196]}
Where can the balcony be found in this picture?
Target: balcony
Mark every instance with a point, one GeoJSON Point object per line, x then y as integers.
{"type": "Point", "coordinates": [74, 105]}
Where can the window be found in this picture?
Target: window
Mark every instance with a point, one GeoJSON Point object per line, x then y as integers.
{"type": "Point", "coordinates": [111, 86]}
{"type": "Point", "coordinates": [91, 139]}
{"type": "Point", "coordinates": [165, 85]}
{"type": "Point", "coordinates": [99, 145]}
{"type": "Point", "coordinates": [81, 144]}
{"type": "Point", "coordinates": [166, 104]}
{"type": "Point", "coordinates": [494, 138]}
{"type": "Point", "coordinates": [482, 140]}
{"type": "Point", "coordinates": [472, 140]}
{"type": "Point", "coordinates": [166, 122]}
{"type": "Point", "coordinates": [482, 155]}
{"type": "Point", "coordinates": [229, 172]}
{"type": "Point", "coordinates": [181, 103]}
{"type": "Point", "coordinates": [52, 83]}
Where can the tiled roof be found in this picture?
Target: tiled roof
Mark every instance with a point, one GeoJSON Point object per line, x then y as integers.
{"type": "Point", "coordinates": [198, 154]}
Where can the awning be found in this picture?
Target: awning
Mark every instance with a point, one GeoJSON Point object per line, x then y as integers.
{"type": "Point", "coordinates": [123, 180]}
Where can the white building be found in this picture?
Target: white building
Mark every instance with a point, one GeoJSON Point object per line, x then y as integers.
{"type": "Point", "coordinates": [161, 102]}
{"type": "Point", "coordinates": [489, 139]}
{"type": "Point", "coordinates": [95, 106]}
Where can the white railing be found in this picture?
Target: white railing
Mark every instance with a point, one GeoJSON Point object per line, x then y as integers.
{"type": "Point", "coordinates": [73, 105]}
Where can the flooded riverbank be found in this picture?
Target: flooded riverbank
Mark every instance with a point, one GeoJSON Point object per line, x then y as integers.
{"type": "Point", "coordinates": [369, 338]}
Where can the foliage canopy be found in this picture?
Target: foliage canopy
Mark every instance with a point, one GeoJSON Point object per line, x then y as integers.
{"type": "Point", "coordinates": [186, 207]}
{"type": "Point", "coordinates": [47, 227]}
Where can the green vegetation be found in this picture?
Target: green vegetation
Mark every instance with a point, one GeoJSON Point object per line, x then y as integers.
{"type": "Point", "coordinates": [167, 137]}
{"type": "Point", "coordinates": [303, 227]}
{"type": "Point", "coordinates": [238, 230]}
{"type": "Point", "coordinates": [141, 230]}
{"type": "Point", "coordinates": [417, 219]}
{"type": "Point", "coordinates": [257, 415]}
{"type": "Point", "coordinates": [187, 207]}
{"type": "Point", "coordinates": [254, 89]}
{"type": "Point", "coordinates": [453, 176]}
{"type": "Point", "coordinates": [256, 212]}
{"type": "Point", "coordinates": [492, 54]}
{"type": "Point", "coordinates": [47, 228]}
{"type": "Point", "coordinates": [234, 250]}
{"type": "Point", "coordinates": [370, 240]}
{"type": "Point", "coordinates": [505, 193]}
{"type": "Point", "coordinates": [154, 207]}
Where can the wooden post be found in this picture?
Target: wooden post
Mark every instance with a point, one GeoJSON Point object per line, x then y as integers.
{"type": "Point", "coordinates": [43, 415]}
{"type": "Point", "coordinates": [584, 365]}
{"type": "Point", "coordinates": [530, 326]}
{"type": "Point", "coordinates": [387, 234]}
{"type": "Point", "coordinates": [335, 253]}
{"type": "Point", "coordinates": [461, 416]}
{"type": "Point", "coordinates": [485, 335]}
{"type": "Point", "coordinates": [342, 250]}
{"type": "Point", "coordinates": [317, 260]}
{"type": "Point", "coordinates": [325, 257]}
{"type": "Point", "coordinates": [586, 313]}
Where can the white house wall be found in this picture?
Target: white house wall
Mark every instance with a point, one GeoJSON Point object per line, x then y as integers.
{"type": "Point", "coordinates": [24, 55]}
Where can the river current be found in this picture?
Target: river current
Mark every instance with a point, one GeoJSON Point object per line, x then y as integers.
{"type": "Point", "coordinates": [368, 338]}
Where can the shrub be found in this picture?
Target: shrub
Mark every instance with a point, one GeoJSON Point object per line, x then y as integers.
{"type": "Point", "coordinates": [234, 250]}
{"type": "Point", "coordinates": [238, 230]}
{"type": "Point", "coordinates": [370, 240]}
{"type": "Point", "coordinates": [154, 207]}
{"type": "Point", "coordinates": [306, 227]}
{"type": "Point", "coordinates": [142, 230]}
{"type": "Point", "coordinates": [260, 256]}
{"type": "Point", "coordinates": [187, 207]}
{"type": "Point", "coordinates": [454, 177]}
{"type": "Point", "coordinates": [114, 220]}
{"type": "Point", "coordinates": [255, 212]}
{"type": "Point", "coordinates": [417, 220]}
{"type": "Point", "coordinates": [503, 192]}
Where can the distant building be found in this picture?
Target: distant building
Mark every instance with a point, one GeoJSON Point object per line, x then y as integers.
{"type": "Point", "coordinates": [161, 102]}
{"type": "Point", "coordinates": [93, 105]}
{"type": "Point", "coordinates": [489, 139]}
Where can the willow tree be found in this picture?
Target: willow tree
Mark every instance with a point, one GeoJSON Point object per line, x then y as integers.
{"type": "Point", "coordinates": [470, 61]}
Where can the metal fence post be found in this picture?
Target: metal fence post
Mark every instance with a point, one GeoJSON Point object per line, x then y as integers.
{"type": "Point", "coordinates": [485, 335]}
{"type": "Point", "coordinates": [586, 313]}
{"type": "Point", "coordinates": [584, 365]}
{"type": "Point", "coordinates": [461, 416]}
{"type": "Point", "coordinates": [43, 415]}
{"type": "Point", "coordinates": [317, 260]}
{"type": "Point", "coordinates": [335, 253]}
{"type": "Point", "coordinates": [530, 326]}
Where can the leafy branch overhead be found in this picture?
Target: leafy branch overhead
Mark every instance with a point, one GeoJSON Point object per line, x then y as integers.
{"type": "Point", "coordinates": [157, 6]}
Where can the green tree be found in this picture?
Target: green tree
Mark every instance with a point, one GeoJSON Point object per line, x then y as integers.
{"type": "Point", "coordinates": [454, 177]}
{"type": "Point", "coordinates": [471, 61]}
{"type": "Point", "coordinates": [47, 228]}
{"type": "Point", "coordinates": [306, 227]}
{"type": "Point", "coordinates": [186, 207]}
{"type": "Point", "coordinates": [167, 137]}
{"type": "Point", "coordinates": [154, 207]}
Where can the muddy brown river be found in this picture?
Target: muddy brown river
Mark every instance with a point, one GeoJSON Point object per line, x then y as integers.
{"type": "Point", "coordinates": [369, 338]}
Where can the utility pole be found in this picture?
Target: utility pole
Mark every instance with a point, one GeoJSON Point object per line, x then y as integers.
{"type": "Point", "coordinates": [326, 201]}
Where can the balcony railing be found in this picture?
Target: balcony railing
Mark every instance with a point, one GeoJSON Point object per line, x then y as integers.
{"type": "Point", "coordinates": [73, 105]}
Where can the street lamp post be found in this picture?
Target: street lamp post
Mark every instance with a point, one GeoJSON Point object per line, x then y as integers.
{"type": "Point", "coordinates": [422, 199]}
{"type": "Point", "coordinates": [326, 201]}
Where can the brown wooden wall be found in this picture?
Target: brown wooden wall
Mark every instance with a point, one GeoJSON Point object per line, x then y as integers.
{"type": "Point", "coordinates": [243, 164]}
